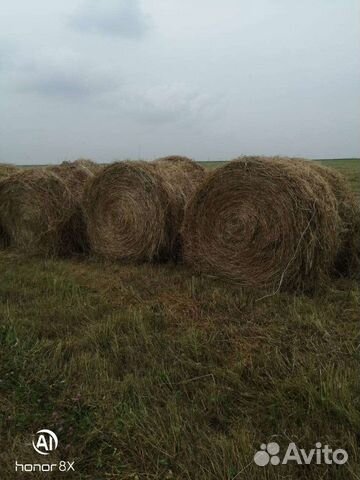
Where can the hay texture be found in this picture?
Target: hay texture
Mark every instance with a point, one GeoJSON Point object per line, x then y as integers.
{"type": "Point", "coordinates": [89, 164]}
{"type": "Point", "coordinates": [134, 209]}
{"type": "Point", "coordinates": [74, 175]}
{"type": "Point", "coordinates": [126, 208]}
{"type": "Point", "coordinates": [7, 169]}
{"type": "Point", "coordinates": [180, 177]}
{"type": "Point", "coordinates": [35, 209]}
{"type": "Point", "coordinates": [347, 261]}
{"type": "Point", "coordinates": [263, 222]}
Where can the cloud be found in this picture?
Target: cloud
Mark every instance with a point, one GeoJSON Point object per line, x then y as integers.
{"type": "Point", "coordinates": [167, 103]}
{"type": "Point", "coordinates": [123, 18]}
{"type": "Point", "coordinates": [63, 84]}
{"type": "Point", "coordinates": [60, 74]}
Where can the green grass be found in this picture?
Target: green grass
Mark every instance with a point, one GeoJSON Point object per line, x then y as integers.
{"type": "Point", "coordinates": [148, 372]}
{"type": "Point", "coordinates": [350, 167]}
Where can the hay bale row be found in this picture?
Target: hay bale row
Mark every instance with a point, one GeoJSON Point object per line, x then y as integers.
{"type": "Point", "coordinates": [277, 223]}
{"type": "Point", "coordinates": [134, 210]}
{"type": "Point", "coordinates": [40, 209]}
{"type": "Point", "coordinates": [266, 222]}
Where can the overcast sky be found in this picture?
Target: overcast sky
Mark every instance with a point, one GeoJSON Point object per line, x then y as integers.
{"type": "Point", "coordinates": [211, 79]}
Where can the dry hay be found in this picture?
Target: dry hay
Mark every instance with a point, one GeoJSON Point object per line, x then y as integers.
{"type": "Point", "coordinates": [75, 175]}
{"type": "Point", "coordinates": [181, 177]}
{"type": "Point", "coordinates": [126, 209]}
{"type": "Point", "coordinates": [4, 238]}
{"type": "Point", "coordinates": [134, 209]}
{"type": "Point", "coordinates": [35, 210]}
{"type": "Point", "coordinates": [263, 222]}
{"type": "Point", "coordinates": [347, 261]}
{"type": "Point", "coordinates": [6, 169]}
{"type": "Point", "coordinates": [89, 164]}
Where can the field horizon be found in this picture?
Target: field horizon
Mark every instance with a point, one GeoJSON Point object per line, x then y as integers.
{"type": "Point", "coordinates": [219, 162]}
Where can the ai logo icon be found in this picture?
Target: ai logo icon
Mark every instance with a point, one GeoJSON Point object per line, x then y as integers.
{"type": "Point", "coordinates": [45, 441]}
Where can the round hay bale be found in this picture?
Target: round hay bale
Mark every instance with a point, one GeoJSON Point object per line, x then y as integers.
{"type": "Point", "coordinates": [126, 209]}
{"type": "Point", "coordinates": [347, 261]}
{"type": "Point", "coordinates": [263, 222]}
{"type": "Point", "coordinates": [181, 177]}
{"type": "Point", "coordinates": [35, 209]}
{"type": "Point", "coordinates": [134, 210]}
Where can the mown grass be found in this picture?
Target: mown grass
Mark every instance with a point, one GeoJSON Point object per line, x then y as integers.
{"type": "Point", "coordinates": [350, 167]}
{"type": "Point", "coordinates": [148, 372]}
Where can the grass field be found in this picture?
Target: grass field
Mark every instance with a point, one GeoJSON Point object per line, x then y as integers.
{"type": "Point", "coordinates": [349, 167]}
{"type": "Point", "coordinates": [149, 372]}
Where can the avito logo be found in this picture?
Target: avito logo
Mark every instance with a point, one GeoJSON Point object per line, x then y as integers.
{"type": "Point", "coordinates": [269, 453]}
{"type": "Point", "coordinates": [45, 441]}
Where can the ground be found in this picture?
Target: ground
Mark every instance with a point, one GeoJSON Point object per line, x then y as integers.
{"type": "Point", "coordinates": [149, 372]}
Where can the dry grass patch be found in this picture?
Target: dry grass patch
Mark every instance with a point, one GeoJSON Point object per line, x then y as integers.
{"type": "Point", "coordinates": [6, 169]}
